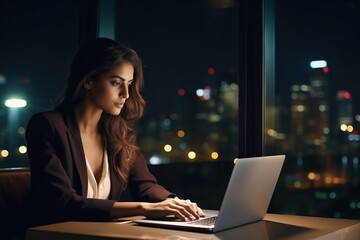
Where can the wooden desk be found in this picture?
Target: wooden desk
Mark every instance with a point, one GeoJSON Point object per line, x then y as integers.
{"type": "Point", "coordinates": [274, 226]}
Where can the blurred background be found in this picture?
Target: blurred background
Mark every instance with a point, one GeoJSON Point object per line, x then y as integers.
{"type": "Point", "coordinates": [223, 79]}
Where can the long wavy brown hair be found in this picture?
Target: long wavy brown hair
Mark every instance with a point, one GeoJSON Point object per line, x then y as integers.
{"type": "Point", "coordinates": [96, 57]}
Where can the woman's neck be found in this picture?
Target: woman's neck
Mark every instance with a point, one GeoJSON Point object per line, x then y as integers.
{"type": "Point", "coordinates": [88, 118]}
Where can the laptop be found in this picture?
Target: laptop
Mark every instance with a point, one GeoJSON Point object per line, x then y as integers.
{"type": "Point", "coordinates": [246, 200]}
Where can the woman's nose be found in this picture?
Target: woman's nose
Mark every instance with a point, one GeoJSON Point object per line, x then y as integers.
{"type": "Point", "coordinates": [124, 92]}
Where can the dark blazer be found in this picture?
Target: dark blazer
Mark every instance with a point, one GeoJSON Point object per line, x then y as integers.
{"type": "Point", "coordinates": [59, 177]}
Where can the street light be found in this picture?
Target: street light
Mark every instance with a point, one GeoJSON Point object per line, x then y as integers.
{"type": "Point", "coordinates": [15, 103]}
{"type": "Point", "coordinates": [318, 64]}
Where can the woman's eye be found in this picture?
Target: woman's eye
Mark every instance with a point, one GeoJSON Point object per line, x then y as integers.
{"type": "Point", "coordinates": [114, 83]}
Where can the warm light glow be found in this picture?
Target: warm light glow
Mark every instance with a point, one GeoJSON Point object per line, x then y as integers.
{"type": "Point", "coordinates": [350, 128]}
{"type": "Point", "coordinates": [336, 180]}
{"type": "Point", "coordinates": [15, 103]}
{"type": "Point", "coordinates": [343, 127]}
{"type": "Point", "coordinates": [4, 153]}
{"type": "Point", "coordinates": [298, 108]}
{"type": "Point", "coordinates": [271, 132]}
{"type": "Point", "coordinates": [22, 149]}
{"type": "Point", "coordinates": [235, 160]}
{"type": "Point", "coordinates": [191, 155]}
{"type": "Point", "coordinates": [181, 134]}
{"type": "Point", "coordinates": [328, 180]}
{"type": "Point", "coordinates": [311, 176]}
{"type": "Point", "coordinates": [167, 148]}
{"type": "Point", "coordinates": [214, 155]}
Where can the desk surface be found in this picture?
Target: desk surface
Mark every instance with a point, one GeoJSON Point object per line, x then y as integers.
{"type": "Point", "coordinates": [274, 226]}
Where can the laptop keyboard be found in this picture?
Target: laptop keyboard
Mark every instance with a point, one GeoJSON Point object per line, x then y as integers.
{"type": "Point", "coordinates": [205, 222]}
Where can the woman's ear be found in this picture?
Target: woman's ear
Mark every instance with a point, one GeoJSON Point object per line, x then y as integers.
{"type": "Point", "coordinates": [89, 84]}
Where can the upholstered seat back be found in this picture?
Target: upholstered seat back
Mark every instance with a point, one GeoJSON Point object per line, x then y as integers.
{"type": "Point", "coordinates": [14, 191]}
{"type": "Point", "coordinates": [14, 188]}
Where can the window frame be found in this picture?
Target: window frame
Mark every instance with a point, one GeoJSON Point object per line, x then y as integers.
{"type": "Point", "coordinates": [256, 40]}
{"type": "Point", "coordinates": [252, 78]}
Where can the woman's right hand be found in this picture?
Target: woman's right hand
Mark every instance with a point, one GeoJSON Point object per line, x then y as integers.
{"type": "Point", "coordinates": [182, 209]}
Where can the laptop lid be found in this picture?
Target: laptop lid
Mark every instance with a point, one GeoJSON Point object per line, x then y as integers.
{"type": "Point", "coordinates": [246, 199]}
{"type": "Point", "coordinates": [249, 192]}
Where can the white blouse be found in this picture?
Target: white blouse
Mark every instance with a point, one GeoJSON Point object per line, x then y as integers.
{"type": "Point", "coordinates": [101, 190]}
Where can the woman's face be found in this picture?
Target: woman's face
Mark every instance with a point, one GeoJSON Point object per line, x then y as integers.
{"type": "Point", "coordinates": [111, 90]}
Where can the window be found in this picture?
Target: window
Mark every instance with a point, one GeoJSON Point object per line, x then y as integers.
{"type": "Point", "coordinates": [205, 63]}
{"type": "Point", "coordinates": [190, 57]}
{"type": "Point", "coordinates": [315, 107]}
{"type": "Point", "coordinates": [190, 53]}
{"type": "Point", "coordinates": [36, 46]}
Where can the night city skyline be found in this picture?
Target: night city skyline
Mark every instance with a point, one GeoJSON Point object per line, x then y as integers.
{"type": "Point", "coordinates": [181, 56]}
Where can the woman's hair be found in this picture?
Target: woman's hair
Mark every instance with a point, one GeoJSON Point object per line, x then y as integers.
{"type": "Point", "coordinates": [96, 57]}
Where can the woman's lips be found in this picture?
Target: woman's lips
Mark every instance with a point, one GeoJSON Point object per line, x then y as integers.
{"type": "Point", "coordinates": [119, 105]}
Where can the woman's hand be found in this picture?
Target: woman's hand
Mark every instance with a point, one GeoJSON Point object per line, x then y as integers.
{"type": "Point", "coordinates": [182, 209]}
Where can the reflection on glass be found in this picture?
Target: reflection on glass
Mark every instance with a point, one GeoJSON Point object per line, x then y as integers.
{"type": "Point", "coordinates": [316, 107]}
{"type": "Point", "coordinates": [35, 53]}
{"type": "Point", "coordinates": [190, 57]}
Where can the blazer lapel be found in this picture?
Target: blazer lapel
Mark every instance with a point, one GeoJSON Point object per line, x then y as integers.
{"type": "Point", "coordinates": [116, 182]}
{"type": "Point", "coordinates": [78, 154]}
{"type": "Point", "coordinates": [77, 150]}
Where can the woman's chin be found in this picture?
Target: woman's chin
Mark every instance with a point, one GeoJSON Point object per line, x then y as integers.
{"type": "Point", "coordinates": [114, 112]}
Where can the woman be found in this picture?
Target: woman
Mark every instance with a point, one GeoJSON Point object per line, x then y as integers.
{"type": "Point", "coordinates": [83, 153]}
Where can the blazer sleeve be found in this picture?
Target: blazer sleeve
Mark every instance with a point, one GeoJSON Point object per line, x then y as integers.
{"type": "Point", "coordinates": [52, 180]}
{"type": "Point", "coordinates": [143, 185]}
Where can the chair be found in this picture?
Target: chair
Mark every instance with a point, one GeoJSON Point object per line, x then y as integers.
{"type": "Point", "coordinates": [14, 191]}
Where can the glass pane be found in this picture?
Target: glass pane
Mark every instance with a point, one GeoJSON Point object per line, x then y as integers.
{"type": "Point", "coordinates": [37, 43]}
{"type": "Point", "coordinates": [316, 107]}
{"type": "Point", "coordinates": [190, 57]}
